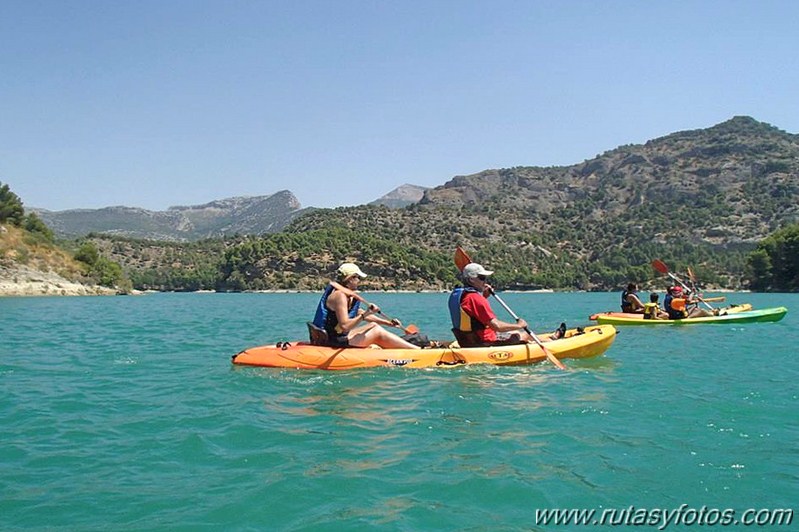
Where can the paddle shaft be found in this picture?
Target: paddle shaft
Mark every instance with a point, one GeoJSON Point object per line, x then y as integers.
{"type": "Point", "coordinates": [510, 311]}
{"type": "Point", "coordinates": [552, 358]}
{"type": "Point", "coordinates": [660, 266]}
{"type": "Point", "coordinates": [410, 329]}
{"type": "Point", "coordinates": [688, 289]}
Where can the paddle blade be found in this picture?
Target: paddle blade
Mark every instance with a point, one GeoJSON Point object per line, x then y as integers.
{"type": "Point", "coordinates": [660, 266]}
{"type": "Point", "coordinates": [552, 358]}
{"type": "Point", "coordinates": [461, 258]}
{"type": "Point", "coordinates": [691, 275]}
{"type": "Point", "coordinates": [558, 364]}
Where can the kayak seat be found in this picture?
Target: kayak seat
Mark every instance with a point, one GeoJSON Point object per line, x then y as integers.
{"type": "Point", "coordinates": [318, 336]}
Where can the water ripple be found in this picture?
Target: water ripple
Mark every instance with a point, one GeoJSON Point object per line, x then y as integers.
{"type": "Point", "coordinates": [125, 413]}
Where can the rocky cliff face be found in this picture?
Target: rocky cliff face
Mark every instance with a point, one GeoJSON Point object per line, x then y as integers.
{"type": "Point", "coordinates": [705, 196]}
{"type": "Point", "coordinates": [21, 280]}
{"type": "Point", "coordinates": [734, 182]}
{"type": "Point", "coordinates": [401, 196]}
{"type": "Point", "coordinates": [244, 215]}
{"type": "Point", "coordinates": [30, 266]}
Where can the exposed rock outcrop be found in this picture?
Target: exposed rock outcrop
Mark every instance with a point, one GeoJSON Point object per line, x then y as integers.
{"type": "Point", "coordinates": [20, 280]}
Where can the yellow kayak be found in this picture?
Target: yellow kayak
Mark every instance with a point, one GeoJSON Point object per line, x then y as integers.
{"type": "Point", "coordinates": [732, 309]}
{"type": "Point", "coordinates": [738, 314]}
{"type": "Point", "coordinates": [576, 343]}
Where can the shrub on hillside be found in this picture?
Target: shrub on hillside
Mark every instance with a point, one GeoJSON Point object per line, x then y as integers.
{"type": "Point", "coordinates": [102, 270]}
{"type": "Point", "coordinates": [11, 210]}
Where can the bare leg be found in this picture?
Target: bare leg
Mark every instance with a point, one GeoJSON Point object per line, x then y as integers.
{"type": "Point", "coordinates": [375, 334]}
{"type": "Point", "coordinates": [697, 312]}
{"type": "Point", "coordinates": [544, 338]}
{"type": "Point", "coordinates": [558, 334]}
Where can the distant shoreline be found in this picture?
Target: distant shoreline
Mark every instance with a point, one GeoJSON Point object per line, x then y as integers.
{"type": "Point", "coordinates": [23, 281]}
{"type": "Point", "coordinates": [537, 291]}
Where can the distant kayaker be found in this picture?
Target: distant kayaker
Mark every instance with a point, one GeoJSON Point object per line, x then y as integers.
{"type": "Point", "coordinates": [340, 315]}
{"type": "Point", "coordinates": [474, 323]}
{"type": "Point", "coordinates": [652, 309]}
{"type": "Point", "coordinates": [630, 302]}
{"type": "Point", "coordinates": [676, 304]}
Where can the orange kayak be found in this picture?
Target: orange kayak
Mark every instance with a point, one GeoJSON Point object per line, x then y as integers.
{"type": "Point", "coordinates": [589, 342]}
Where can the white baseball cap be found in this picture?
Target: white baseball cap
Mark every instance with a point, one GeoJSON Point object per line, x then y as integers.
{"type": "Point", "coordinates": [349, 269]}
{"type": "Point", "coordinates": [472, 270]}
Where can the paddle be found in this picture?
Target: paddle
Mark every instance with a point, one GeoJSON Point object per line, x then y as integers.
{"type": "Point", "coordinates": [689, 272]}
{"type": "Point", "coordinates": [461, 260]}
{"type": "Point", "coordinates": [410, 329]}
{"type": "Point", "coordinates": [660, 266]}
{"type": "Point", "coordinates": [691, 276]}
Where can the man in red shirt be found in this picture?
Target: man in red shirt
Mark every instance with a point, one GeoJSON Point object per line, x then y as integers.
{"type": "Point", "coordinates": [473, 321]}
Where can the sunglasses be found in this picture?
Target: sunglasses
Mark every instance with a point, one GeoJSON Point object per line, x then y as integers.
{"type": "Point", "coordinates": [482, 277]}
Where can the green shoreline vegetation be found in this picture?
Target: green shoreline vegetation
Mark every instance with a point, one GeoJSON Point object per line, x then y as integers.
{"type": "Point", "coordinates": [302, 261]}
{"type": "Point", "coordinates": [721, 200]}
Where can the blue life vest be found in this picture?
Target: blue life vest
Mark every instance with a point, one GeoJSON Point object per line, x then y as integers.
{"type": "Point", "coordinates": [460, 319]}
{"type": "Point", "coordinates": [674, 314]}
{"type": "Point", "coordinates": [626, 306]}
{"type": "Point", "coordinates": [327, 320]}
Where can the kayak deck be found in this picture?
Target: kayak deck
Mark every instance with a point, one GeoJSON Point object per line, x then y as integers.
{"type": "Point", "coordinates": [737, 314]}
{"type": "Point", "coordinates": [592, 341]}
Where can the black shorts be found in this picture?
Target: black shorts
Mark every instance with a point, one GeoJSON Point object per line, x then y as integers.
{"type": "Point", "coordinates": [338, 340]}
{"type": "Point", "coordinates": [507, 339]}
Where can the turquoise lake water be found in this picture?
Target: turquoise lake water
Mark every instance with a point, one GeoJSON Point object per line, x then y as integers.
{"type": "Point", "coordinates": [125, 413]}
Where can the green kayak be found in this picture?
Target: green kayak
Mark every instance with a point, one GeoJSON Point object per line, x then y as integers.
{"type": "Point", "coordinates": [748, 316]}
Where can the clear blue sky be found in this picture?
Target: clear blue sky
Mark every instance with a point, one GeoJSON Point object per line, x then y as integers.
{"type": "Point", "coordinates": [157, 103]}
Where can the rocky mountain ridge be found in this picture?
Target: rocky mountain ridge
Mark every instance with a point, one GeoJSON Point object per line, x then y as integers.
{"type": "Point", "coordinates": [402, 196]}
{"type": "Point", "coordinates": [706, 196]}
{"type": "Point", "coordinates": [247, 215]}
{"type": "Point", "coordinates": [238, 215]}
{"type": "Point", "coordinates": [733, 182]}
{"type": "Point", "coordinates": [701, 198]}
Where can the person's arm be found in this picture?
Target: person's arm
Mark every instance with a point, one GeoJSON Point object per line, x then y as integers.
{"type": "Point", "coordinates": [504, 326]}
{"type": "Point", "coordinates": [490, 319]}
{"type": "Point", "coordinates": [692, 301]}
{"type": "Point", "coordinates": [372, 316]}
{"type": "Point", "coordinates": [338, 303]}
{"type": "Point", "coordinates": [635, 301]}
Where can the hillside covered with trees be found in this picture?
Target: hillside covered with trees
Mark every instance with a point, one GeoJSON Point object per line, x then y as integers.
{"type": "Point", "coordinates": [704, 198]}
{"type": "Point", "coordinates": [28, 247]}
{"type": "Point", "coordinates": [774, 265]}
